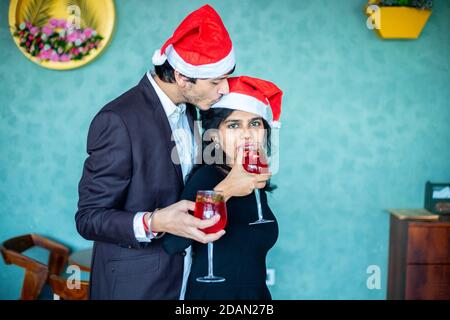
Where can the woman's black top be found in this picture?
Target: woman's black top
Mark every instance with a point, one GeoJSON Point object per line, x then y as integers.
{"type": "Point", "coordinates": [239, 255]}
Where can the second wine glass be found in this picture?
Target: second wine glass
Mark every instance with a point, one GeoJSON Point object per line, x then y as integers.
{"type": "Point", "coordinates": [207, 204]}
{"type": "Point", "coordinates": [255, 161]}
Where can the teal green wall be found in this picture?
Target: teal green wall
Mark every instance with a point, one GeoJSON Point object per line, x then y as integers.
{"type": "Point", "coordinates": [366, 122]}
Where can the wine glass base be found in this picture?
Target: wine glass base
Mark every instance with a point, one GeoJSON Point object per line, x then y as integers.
{"type": "Point", "coordinates": [260, 221]}
{"type": "Point", "coordinates": [210, 279]}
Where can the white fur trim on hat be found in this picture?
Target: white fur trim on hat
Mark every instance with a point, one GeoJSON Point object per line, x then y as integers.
{"type": "Point", "coordinates": [211, 70]}
{"type": "Point", "coordinates": [243, 102]}
{"type": "Point", "coordinates": [158, 58]}
{"type": "Point", "coordinates": [275, 124]}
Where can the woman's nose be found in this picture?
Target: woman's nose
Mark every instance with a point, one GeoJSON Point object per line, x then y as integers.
{"type": "Point", "coordinates": [246, 134]}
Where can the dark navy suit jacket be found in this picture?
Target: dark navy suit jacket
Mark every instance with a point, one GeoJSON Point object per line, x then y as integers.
{"type": "Point", "coordinates": [129, 169]}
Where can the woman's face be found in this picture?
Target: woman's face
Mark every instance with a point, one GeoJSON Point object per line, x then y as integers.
{"type": "Point", "coordinates": [241, 128]}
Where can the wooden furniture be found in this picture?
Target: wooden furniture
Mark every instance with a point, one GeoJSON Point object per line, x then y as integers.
{"type": "Point", "coordinates": [82, 259]}
{"type": "Point", "coordinates": [419, 255]}
{"type": "Point", "coordinates": [36, 273]}
{"type": "Point", "coordinates": [61, 289]}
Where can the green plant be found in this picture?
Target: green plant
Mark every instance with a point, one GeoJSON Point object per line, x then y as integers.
{"type": "Point", "coordinates": [421, 4]}
{"type": "Point", "coordinates": [37, 12]}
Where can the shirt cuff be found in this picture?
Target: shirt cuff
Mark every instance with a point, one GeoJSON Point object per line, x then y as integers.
{"type": "Point", "coordinates": [139, 230]}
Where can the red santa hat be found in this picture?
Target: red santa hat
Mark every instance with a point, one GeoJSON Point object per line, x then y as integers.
{"type": "Point", "coordinates": [200, 47]}
{"type": "Point", "coordinates": [255, 96]}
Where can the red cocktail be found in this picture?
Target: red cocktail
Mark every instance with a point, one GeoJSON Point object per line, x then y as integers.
{"type": "Point", "coordinates": [208, 204]}
{"type": "Point", "coordinates": [255, 161]}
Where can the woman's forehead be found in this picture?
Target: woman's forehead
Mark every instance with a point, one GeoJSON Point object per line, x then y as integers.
{"type": "Point", "coordinates": [242, 115]}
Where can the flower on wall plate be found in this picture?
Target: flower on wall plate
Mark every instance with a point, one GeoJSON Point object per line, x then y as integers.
{"type": "Point", "coordinates": [61, 34]}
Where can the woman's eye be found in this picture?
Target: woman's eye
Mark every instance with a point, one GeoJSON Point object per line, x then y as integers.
{"type": "Point", "coordinates": [233, 126]}
{"type": "Point", "coordinates": [255, 123]}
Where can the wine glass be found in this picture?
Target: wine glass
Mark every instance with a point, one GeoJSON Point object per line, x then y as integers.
{"type": "Point", "coordinates": [207, 204]}
{"type": "Point", "coordinates": [255, 161]}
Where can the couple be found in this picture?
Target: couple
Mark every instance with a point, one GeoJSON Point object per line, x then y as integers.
{"type": "Point", "coordinates": [134, 199]}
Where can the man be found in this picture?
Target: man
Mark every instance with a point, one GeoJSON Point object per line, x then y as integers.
{"type": "Point", "coordinates": [130, 185]}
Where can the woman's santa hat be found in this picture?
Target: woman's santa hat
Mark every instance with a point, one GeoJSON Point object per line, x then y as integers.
{"type": "Point", "coordinates": [200, 47]}
{"type": "Point", "coordinates": [255, 96]}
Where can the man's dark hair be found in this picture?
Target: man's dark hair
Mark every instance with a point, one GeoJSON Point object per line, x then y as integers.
{"type": "Point", "coordinates": [166, 73]}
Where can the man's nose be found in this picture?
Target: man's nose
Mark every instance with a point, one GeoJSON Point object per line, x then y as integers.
{"type": "Point", "coordinates": [224, 88]}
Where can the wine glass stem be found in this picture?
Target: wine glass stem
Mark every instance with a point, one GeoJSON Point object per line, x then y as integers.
{"type": "Point", "coordinates": [258, 204]}
{"type": "Point", "coordinates": [210, 259]}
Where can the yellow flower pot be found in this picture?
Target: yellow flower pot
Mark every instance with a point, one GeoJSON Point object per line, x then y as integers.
{"type": "Point", "coordinates": [400, 22]}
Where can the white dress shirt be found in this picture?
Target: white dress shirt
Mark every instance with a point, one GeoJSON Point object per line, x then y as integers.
{"type": "Point", "coordinates": [186, 148]}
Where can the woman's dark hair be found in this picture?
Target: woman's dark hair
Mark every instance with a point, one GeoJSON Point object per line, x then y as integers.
{"type": "Point", "coordinates": [211, 119]}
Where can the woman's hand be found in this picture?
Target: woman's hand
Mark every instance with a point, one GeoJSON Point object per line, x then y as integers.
{"type": "Point", "coordinates": [239, 182]}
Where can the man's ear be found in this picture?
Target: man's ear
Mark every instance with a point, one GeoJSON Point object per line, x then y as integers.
{"type": "Point", "coordinates": [180, 79]}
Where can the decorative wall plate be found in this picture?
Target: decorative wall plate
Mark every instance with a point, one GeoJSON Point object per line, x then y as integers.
{"type": "Point", "coordinates": [61, 34]}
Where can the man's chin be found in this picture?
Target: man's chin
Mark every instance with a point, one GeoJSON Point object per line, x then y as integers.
{"type": "Point", "coordinates": [202, 107]}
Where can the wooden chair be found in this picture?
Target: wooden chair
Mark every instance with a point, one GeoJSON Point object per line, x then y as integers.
{"type": "Point", "coordinates": [36, 273]}
{"type": "Point", "coordinates": [61, 289]}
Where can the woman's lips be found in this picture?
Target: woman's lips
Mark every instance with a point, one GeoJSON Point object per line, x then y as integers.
{"type": "Point", "coordinates": [248, 145]}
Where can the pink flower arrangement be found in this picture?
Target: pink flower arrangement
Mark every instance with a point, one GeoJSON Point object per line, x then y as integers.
{"type": "Point", "coordinates": [47, 30]}
{"type": "Point", "coordinates": [58, 40]}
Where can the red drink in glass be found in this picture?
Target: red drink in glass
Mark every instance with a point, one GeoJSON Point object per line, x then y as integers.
{"type": "Point", "coordinates": [207, 205]}
{"type": "Point", "coordinates": [254, 160]}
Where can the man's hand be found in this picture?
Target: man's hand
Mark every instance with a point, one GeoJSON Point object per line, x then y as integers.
{"type": "Point", "coordinates": [175, 219]}
{"type": "Point", "coordinates": [239, 182]}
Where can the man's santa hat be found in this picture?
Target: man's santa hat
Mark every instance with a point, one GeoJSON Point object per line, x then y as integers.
{"type": "Point", "coordinates": [255, 96]}
{"type": "Point", "coordinates": [200, 47]}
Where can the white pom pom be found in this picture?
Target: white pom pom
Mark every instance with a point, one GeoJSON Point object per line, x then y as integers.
{"type": "Point", "coordinates": [276, 124]}
{"type": "Point", "coordinates": [158, 58]}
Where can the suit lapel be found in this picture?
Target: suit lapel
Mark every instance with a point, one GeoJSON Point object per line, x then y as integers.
{"type": "Point", "coordinates": [162, 122]}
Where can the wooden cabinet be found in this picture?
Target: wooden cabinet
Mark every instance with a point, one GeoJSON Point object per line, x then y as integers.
{"type": "Point", "coordinates": [419, 256]}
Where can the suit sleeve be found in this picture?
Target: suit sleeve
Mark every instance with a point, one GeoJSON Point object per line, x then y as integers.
{"type": "Point", "coordinates": [104, 184]}
{"type": "Point", "coordinates": [173, 244]}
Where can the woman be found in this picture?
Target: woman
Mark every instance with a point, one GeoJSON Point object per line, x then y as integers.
{"type": "Point", "coordinates": [239, 119]}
